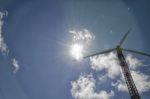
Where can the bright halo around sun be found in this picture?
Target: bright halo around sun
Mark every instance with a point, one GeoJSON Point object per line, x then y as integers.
{"type": "Point", "coordinates": [76, 51]}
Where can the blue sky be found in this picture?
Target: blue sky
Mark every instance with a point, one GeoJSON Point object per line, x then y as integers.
{"type": "Point", "coordinates": [37, 64]}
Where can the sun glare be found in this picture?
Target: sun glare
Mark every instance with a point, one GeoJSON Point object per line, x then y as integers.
{"type": "Point", "coordinates": [76, 51]}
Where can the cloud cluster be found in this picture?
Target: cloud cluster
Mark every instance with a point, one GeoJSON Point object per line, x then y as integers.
{"type": "Point", "coordinates": [15, 65]}
{"type": "Point", "coordinates": [3, 46]}
{"type": "Point", "coordinates": [133, 62]}
{"type": "Point", "coordinates": [82, 35]}
{"type": "Point", "coordinates": [109, 63]}
{"type": "Point", "coordinates": [84, 88]}
{"type": "Point", "coordinates": [141, 80]}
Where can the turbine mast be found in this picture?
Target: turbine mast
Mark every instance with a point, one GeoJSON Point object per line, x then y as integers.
{"type": "Point", "coordinates": [127, 75]}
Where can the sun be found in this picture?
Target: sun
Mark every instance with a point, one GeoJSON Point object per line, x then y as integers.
{"type": "Point", "coordinates": [76, 51]}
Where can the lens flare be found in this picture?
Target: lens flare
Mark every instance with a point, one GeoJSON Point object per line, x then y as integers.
{"type": "Point", "coordinates": [76, 51]}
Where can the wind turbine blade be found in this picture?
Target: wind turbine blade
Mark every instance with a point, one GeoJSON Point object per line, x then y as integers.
{"type": "Point", "coordinates": [103, 52]}
{"type": "Point", "coordinates": [124, 37]}
{"type": "Point", "coordinates": [137, 52]}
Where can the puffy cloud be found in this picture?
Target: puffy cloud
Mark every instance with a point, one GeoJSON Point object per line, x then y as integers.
{"type": "Point", "coordinates": [133, 62]}
{"type": "Point", "coordinates": [15, 65]}
{"type": "Point", "coordinates": [120, 84]}
{"type": "Point", "coordinates": [107, 62]}
{"type": "Point", "coordinates": [83, 35]}
{"type": "Point", "coordinates": [84, 88]}
{"type": "Point", "coordinates": [3, 46]}
{"type": "Point", "coordinates": [141, 80]}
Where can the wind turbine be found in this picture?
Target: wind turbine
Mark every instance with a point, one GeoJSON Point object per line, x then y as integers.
{"type": "Point", "coordinates": [134, 94]}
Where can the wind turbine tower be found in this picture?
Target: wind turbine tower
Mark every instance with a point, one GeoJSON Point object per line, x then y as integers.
{"type": "Point", "coordinates": [134, 94]}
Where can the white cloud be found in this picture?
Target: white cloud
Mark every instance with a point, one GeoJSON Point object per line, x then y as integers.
{"type": "Point", "coordinates": [141, 80]}
{"type": "Point", "coordinates": [107, 62]}
{"type": "Point", "coordinates": [133, 62]}
{"type": "Point", "coordinates": [3, 46]}
{"type": "Point", "coordinates": [15, 65]}
{"type": "Point", "coordinates": [120, 84]}
{"type": "Point", "coordinates": [84, 88]}
{"type": "Point", "coordinates": [83, 35]}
